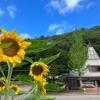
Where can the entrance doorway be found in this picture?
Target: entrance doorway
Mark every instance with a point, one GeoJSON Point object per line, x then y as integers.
{"type": "Point", "coordinates": [73, 83]}
{"type": "Point", "coordinates": [98, 83]}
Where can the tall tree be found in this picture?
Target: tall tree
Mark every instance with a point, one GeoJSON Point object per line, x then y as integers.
{"type": "Point", "coordinates": [77, 53]}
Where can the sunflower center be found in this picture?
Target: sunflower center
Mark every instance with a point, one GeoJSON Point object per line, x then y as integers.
{"type": "Point", "coordinates": [1, 84]}
{"type": "Point", "coordinates": [37, 69]}
{"type": "Point", "coordinates": [14, 88]}
{"type": "Point", "coordinates": [12, 49]}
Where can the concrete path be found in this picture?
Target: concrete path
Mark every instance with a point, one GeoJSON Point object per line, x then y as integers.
{"type": "Point", "coordinates": [79, 97]}
{"type": "Point", "coordinates": [64, 96]}
{"type": "Point", "coordinates": [69, 97]}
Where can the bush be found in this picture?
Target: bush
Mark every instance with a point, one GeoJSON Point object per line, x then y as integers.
{"type": "Point", "coordinates": [53, 87]}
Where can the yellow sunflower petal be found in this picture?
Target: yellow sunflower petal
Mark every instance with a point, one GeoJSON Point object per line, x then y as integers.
{"type": "Point", "coordinates": [38, 79]}
{"type": "Point", "coordinates": [1, 51]}
{"type": "Point", "coordinates": [13, 34]}
{"type": "Point", "coordinates": [6, 34]}
{"type": "Point", "coordinates": [15, 52]}
{"type": "Point", "coordinates": [16, 59]}
{"type": "Point", "coordinates": [19, 39]}
{"type": "Point", "coordinates": [21, 53]}
{"type": "Point", "coordinates": [15, 88]}
{"type": "Point", "coordinates": [1, 37]}
{"type": "Point", "coordinates": [10, 59]}
{"type": "Point", "coordinates": [3, 30]}
{"type": "Point", "coordinates": [43, 91]}
{"type": "Point", "coordinates": [44, 82]}
{"type": "Point", "coordinates": [4, 58]}
{"type": "Point", "coordinates": [2, 86]}
{"type": "Point", "coordinates": [23, 45]}
{"type": "Point", "coordinates": [38, 69]}
{"type": "Point", "coordinates": [1, 58]}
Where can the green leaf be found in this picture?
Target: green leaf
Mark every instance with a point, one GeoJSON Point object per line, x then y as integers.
{"type": "Point", "coordinates": [28, 59]}
{"type": "Point", "coordinates": [36, 96]}
{"type": "Point", "coordinates": [49, 59]}
{"type": "Point", "coordinates": [5, 44]}
{"type": "Point", "coordinates": [1, 30]}
{"type": "Point", "coordinates": [24, 79]}
{"type": "Point", "coordinates": [47, 98]}
{"type": "Point", "coordinates": [42, 98]}
{"type": "Point", "coordinates": [10, 92]}
{"type": "Point", "coordinates": [39, 45]}
{"type": "Point", "coordinates": [30, 98]}
{"type": "Point", "coordinates": [21, 64]}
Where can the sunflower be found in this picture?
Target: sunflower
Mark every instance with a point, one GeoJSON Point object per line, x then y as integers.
{"type": "Point", "coordinates": [38, 70]}
{"type": "Point", "coordinates": [14, 53]}
{"type": "Point", "coordinates": [43, 86]}
{"type": "Point", "coordinates": [2, 81]}
{"type": "Point", "coordinates": [15, 88]}
{"type": "Point", "coordinates": [43, 90]}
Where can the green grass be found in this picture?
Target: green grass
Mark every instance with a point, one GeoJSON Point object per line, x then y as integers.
{"type": "Point", "coordinates": [53, 87]}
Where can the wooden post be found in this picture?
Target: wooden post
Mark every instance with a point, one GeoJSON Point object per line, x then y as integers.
{"type": "Point", "coordinates": [96, 85]}
{"type": "Point", "coordinates": [81, 83]}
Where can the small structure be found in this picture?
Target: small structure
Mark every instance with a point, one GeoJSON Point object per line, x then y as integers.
{"type": "Point", "coordinates": [91, 75]}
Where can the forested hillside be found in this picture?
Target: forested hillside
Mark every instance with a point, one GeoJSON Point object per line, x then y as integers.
{"type": "Point", "coordinates": [64, 42]}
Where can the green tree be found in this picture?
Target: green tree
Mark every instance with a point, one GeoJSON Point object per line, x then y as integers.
{"type": "Point", "coordinates": [77, 54]}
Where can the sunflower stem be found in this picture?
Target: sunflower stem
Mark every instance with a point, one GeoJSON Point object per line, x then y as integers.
{"type": "Point", "coordinates": [0, 96]}
{"type": "Point", "coordinates": [12, 98]}
{"type": "Point", "coordinates": [29, 93]}
{"type": "Point", "coordinates": [2, 72]}
{"type": "Point", "coordinates": [8, 80]}
{"type": "Point", "coordinates": [9, 73]}
{"type": "Point", "coordinates": [6, 97]}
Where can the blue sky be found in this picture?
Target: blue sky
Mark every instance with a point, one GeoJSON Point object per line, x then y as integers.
{"type": "Point", "coordinates": [34, 18]}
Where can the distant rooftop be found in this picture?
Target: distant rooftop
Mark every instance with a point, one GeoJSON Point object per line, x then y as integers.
{"type": "Point", "coordinates": [93, 60]}
{"type": "Point", "coordinates": [85, 74]}
{"type": "Point", "coordinates": [92, 54]}
{"type": "Point", "coordinates": [93, 57]}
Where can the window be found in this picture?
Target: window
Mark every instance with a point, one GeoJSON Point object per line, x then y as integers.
{"type": "Point", "coordinates": [98, 68]}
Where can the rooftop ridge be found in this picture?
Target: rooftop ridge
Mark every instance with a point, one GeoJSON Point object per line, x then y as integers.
{"type": "Point", "coordinates": [92, 54]}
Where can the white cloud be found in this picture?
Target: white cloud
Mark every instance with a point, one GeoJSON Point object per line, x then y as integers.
{"type": "Point", "coordinates": [54, 26]}
{"type": "Point", "coordinates": [25, 35]}
{"type": "Point", "coordinates": [1, 12]}
{"type": "Point", "coordinates": [11, 10]}
{"type": "Point", "coordinates": [66, 6]}
{"type": "Point", "coordinates": [60, 28]}
{"type": "Point", "coordinates": [60, 31]}
{"type": "Point", "coordinates": [57, 28]}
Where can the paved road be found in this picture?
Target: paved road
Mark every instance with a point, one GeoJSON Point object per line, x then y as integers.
{"type": "Point", "coordinates": [78, 97]}
{"type": "Point", "coordinates": [70, 97]}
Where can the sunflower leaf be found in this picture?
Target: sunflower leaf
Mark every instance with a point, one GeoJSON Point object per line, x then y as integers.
{"type": "Point", "coordinates": [39, 46]}
{"type": "Point", "coordinates": [49, 59]}
{"type": "Point", "coordinates": [10, 92]}
{"type": "Point", "coordinates": [24, 79]}
{"type": "Point", "coordinates": [47, 98]}
{"type": "Point", "coordinates": [28, 59]}
{"type": "Point", "coordinates": [21, 64]}
{"type": "Point", "coordinates": [5, 44]}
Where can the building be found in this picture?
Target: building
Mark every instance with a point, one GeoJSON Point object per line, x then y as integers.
{"type": "Point", "coordinates": [91, 74]}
